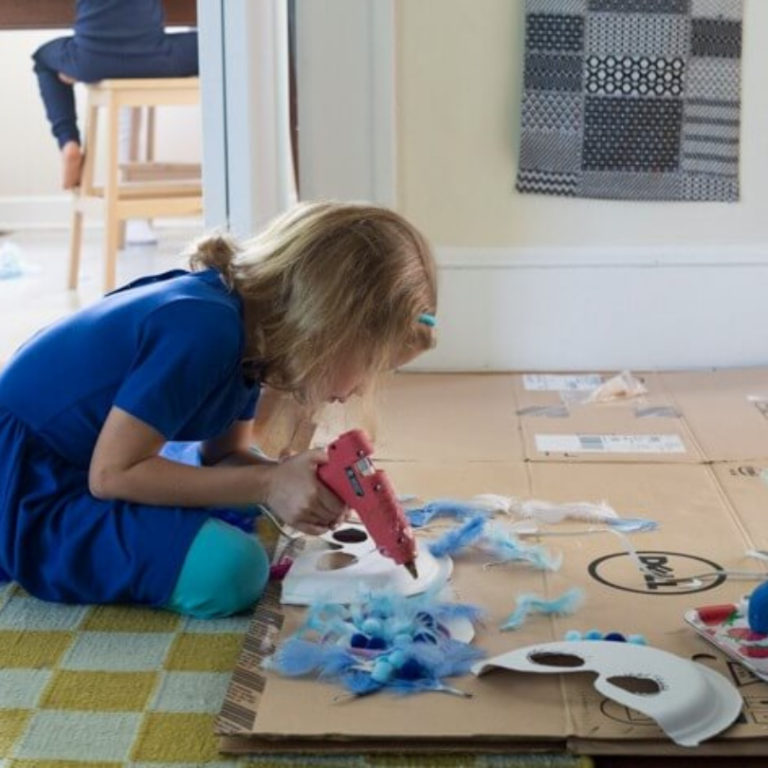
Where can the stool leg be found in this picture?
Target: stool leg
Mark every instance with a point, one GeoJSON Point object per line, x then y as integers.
{"type": "Point", "coordinates": [86, 185]}
{"type": "Point", "coordinates": [150, 141]}
{"type": "Point", "coordinates": [150, 138]}
{"type": "Point", "coordinates": [75, 246]}
{"type": "Point", "coordinates": [89, 163]}
{"type": "Point", "coordinates": [112, 222]}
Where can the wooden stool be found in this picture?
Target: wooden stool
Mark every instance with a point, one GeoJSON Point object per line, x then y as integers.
{"type": "Point", "coordinates": [134, 190]}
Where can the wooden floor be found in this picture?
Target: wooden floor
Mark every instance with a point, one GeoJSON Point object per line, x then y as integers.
{"type": "Point", "coordinates": [30, 302]}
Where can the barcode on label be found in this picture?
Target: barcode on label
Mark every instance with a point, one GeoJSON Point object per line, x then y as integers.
{"type": "Point", "coordinates": [591, 443]}
{"type": "Point", "coordinates": [548, 382]}
{"type": "Point", "coordinates": [609, 444]}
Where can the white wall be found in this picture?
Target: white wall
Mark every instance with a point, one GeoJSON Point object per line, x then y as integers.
{"type": "Point", "coordinates": [30, 191]}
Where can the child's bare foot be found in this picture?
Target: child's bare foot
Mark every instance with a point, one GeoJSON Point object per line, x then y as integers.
{"type": "Point", "coordinates": [72, 164]}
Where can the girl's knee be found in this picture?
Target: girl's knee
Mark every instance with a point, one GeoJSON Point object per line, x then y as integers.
{"type": "Point", "coordinates": [225, 572]}
{"type": "Point", "coordinates": [241, 581]}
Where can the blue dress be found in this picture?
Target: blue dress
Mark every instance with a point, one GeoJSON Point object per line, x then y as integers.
{"type": "Point", "coordinates": [168, 350]}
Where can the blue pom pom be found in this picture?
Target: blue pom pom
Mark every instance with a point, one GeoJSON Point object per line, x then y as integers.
{"type": "Point", "coordinates": [572, 634]}
{"type": "Point", "coordinates": [412, 670]}
{"type": "Point", "coordinates": [397, 659]}
{"type": "Point", "coordinates": [593, 634]}
{"type": "Point", "coordinates": [615, 637]}
{"type": "Point", "coordinates": [637, 640]}
{"type": "Point", "coordinates": [371, 627]}
{"type": "Point", "coordinates": [382, 671]}
{"type": "Point", "coordinates": [358, 641]}
{"type": "Point", "coordinates": [757, 609]}
{"type": "Point", "coordinates": [377, 644]}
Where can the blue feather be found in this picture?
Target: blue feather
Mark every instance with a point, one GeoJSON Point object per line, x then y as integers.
{"type": "Point", "coordinates": [295, 658]}
{"type": "Point", "coordinates": [507, 548]}
{"type": "Point", "coordinates": [633, 524]}
{"type": "Point", "coordinates": [461, 510]}
{"type": "Point", "coordinates": [459, 538]}
{"type": "Point", "coordinates": [359, 682]}
{"type": "Point", "coordinates": [449, 658]}
{"type": "Point", "coordinates": [446, 612]}
{"type": "Point", "coordinates": [564, 605]}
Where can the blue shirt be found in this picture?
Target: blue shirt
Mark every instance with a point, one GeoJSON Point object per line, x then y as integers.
{"type": "Point", "coordinates": [128, 27]}
{"type": "Point", "coordinates": [167, 349]}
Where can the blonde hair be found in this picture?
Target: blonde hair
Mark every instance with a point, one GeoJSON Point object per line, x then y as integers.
{"type": "Point", "coordinates": [329, 283]}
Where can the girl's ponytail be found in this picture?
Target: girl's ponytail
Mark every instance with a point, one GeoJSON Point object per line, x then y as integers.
{"type": "Point", "coordinates": [217, 252]}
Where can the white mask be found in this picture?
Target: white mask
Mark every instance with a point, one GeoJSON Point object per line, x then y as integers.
{"type": "Point", "coordinates": [689, 701]}
{"type": "Point", "coordinates": [352, 562]}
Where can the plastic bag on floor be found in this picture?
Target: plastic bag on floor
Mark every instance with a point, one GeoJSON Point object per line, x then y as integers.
{"type": "Point", "coordinates": [12, 264]}
{"type": "Point", "coordinates": [625, 386]}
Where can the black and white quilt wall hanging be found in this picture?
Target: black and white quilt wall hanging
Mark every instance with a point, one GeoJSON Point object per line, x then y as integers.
{"type": "Point", "coordinates": [632, 99]}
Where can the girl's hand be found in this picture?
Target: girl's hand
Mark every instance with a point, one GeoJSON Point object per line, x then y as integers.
{"type": "Point", "coordinates": [298, 497]}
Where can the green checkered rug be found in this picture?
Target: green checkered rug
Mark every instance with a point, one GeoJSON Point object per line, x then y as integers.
{"type": "Point", "coordinates": [110, 685]}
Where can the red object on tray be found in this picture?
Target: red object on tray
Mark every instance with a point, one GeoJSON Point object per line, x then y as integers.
{"type": "Point", "coordinates": [351, 475]}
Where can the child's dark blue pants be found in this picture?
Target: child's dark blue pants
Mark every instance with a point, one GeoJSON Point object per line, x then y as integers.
{"type": "Point", "coordinates": [63, 55]}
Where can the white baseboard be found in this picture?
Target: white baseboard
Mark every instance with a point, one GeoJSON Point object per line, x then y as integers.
{"type": "Point", "coordinates": [55, 212]}
{"type": "Point", "coordinates": [568, 309]}
{"type": "Point", "coordinates": [579, 309]}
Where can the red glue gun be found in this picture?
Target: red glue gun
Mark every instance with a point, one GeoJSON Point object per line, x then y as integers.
{"type": "Point", "coordinates": [351, 475]}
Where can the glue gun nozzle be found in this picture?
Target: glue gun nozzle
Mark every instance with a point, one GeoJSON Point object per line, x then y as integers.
{"type": "Point", "coordinates": [411, 567]}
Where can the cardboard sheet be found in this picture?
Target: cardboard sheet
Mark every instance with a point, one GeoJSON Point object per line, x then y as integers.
{"type": "Point", "coordinates": [709, 515]}
{"type": "Point", "coordinates": [713, 416]}
{"type": "Point", "coordinates": [746, 490]}
{"type": "Point", "coordinates": [555, 428]}
{"type": "Point", "coordinates": [726, 411]}
{"type": "Point", "coordinates": [438, 417]}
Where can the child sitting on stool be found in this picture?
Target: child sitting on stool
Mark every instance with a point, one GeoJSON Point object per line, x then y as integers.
{"type": "Point", "coordinates": [113, 39]}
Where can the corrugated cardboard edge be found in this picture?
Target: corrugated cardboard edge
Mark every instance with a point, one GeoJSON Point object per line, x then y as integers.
{"type": "Point", "coordinates": [329, 746]}
{"type": "Point", "coordinates": [742, 748]}
{"type": "Point", "coordinates": [246, 686]}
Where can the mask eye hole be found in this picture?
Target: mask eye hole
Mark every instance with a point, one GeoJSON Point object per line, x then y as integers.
{"type": "Point", "coordinates": [639, 686]}
{"type": "Point", "coordinates": [350, 535]}
{"type": "Point", "coordinates": [565, 660]}
{"type": "Point", "coordinates": [335, 561]}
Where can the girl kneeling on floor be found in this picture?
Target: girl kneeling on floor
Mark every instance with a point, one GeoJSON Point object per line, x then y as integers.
{"type": "Point", "coordinates": [328, 296]}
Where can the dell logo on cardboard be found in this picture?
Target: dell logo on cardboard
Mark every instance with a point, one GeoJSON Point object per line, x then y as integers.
{"type": "Point", "coordinates": [664, 573]}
